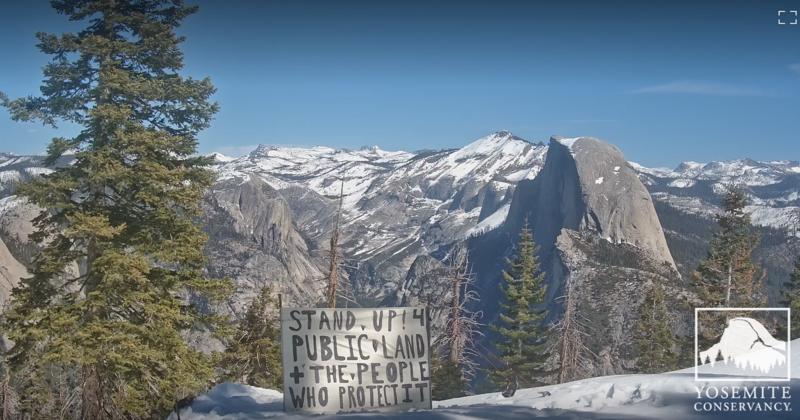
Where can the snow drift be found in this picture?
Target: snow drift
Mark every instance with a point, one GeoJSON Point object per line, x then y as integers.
{"type": "Point", "coordinates": [660, 396]}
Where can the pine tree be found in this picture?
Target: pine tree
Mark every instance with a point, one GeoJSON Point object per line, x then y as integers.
{"type": "Point", "coordinates": [653, 338]}
{"type": "Point", "coordinates": [124, 212]}
{"type": "Point", "coordinates": [523, 337]}
{"type": "Point", "coordinates": [254, 357]}
{"type": "Point", "coordinates": [448, 380]}
{"type": "Point", "coordinates": [727, 276]}
{"type": "Point", "coordinates": [791, 299]}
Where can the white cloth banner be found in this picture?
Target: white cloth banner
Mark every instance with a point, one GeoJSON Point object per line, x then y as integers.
{"type": "Point", "coordinates": [359, 359]}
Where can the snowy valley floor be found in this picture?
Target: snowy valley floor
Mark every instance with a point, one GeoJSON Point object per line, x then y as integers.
{"type": "Point", "coordinates": [660, 396]}
{"type": "Point", "coordinates": [664, 396]}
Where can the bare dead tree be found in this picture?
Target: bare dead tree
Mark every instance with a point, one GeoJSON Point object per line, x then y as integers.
{"type": "Point", "coordinates": [345, 291]}
{"type": "Point", "coordinates": [9, 400]}
{"type": "Point", "coordinates": [333, 270]}
{"type": "Point", "coordinates": [457, 343]}
{"type": "Point", "coordinates": [573, 354]}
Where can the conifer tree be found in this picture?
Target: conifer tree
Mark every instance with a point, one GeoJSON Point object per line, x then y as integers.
{"type": "Point", "coordinates": [727, 275]}
{"type": "Point", "coordinates": [254, 357]}
{"type": "Point", "coordinates": [791, 299]}
{"type": "Point", "coordinates": [652, 336]}
{"type": "Point", "coordinates": [523, 337]}
{"type": "Point", "coordinates": [448, 379]}
{"type": "Point", "coordinates": [123, 212]}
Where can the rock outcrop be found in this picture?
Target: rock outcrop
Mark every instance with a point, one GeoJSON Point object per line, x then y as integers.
{"type": "Point", "coordinates": [254, 241]}
{"type": "Point", "coordinates": [598, 232]}
{"type": "Point", "coordinates": [11, 271]}
{"type": "Point", "coordinates": [16, 249]}
{"type": "Point", "coordinates": [586, 184]}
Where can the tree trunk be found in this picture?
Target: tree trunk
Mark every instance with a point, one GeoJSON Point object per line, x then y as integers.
{"type": "Point", "coordinates": [455, 314]}
{"type": "Point", "coordinates": [333, 272]}
{"type": "Point", "coordinates": [92, 399]}
{"type": "Point", "coordinates": [730, 285]}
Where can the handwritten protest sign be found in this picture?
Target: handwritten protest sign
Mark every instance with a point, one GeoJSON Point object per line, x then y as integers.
{"type": "Point", "coordinates": [343, 360]}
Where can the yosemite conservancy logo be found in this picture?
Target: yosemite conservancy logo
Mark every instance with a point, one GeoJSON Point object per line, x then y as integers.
{"type": "Point", "coordinates": [735, 346]}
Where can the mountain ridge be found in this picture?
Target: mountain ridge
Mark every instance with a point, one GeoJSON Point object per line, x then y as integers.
{"type": "Point", "coordinates": [270, 214]}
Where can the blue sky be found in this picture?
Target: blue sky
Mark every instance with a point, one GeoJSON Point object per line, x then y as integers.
{"type": "Point", "coordinates": [665, 81]}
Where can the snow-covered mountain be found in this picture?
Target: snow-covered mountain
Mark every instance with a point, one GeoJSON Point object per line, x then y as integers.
{"type": "Point", "coordinates": [401, 205]}
{"type": "Point", "coordinates": [427, 179]}
{"type": "Point", "coordinates": [745, 171]}
{"type": "Point", "coordinates": [773, 188]}
{"type": "Point", "coordinates": [397, 206]}
{"type": "Point", "coordinates": [270, 215]}
{"type": "Point", "coordinates": [16, 169]}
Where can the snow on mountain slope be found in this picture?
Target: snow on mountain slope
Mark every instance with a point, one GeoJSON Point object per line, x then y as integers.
{"type": "Point", "coordinates": [784, 217]}
{"type": "Point", "coordinates": [492, 222]}
{"type": "Point", "coordinates": [397, 206]}
{"type": "Point", "coordinates": [773, 188]}
{"type": "Point", "coordinates": [15, 169]}
{"type": "Point", "coordinates": [742, 171]}
{"type": "Point", "coordinates": [402, 205]}
{"type": "Point", "coordinates": [500, 159]}
{"type": "Point", "coordinates": [668, 395]}
{"type": "Point", "coordinates": [319, 168]}
{"type": "Point", "coordinates": [392, 196]}
{"type": "Point", "coordinates": [495, 156]}
{"type": "Point", "coordinates": [220, 158]}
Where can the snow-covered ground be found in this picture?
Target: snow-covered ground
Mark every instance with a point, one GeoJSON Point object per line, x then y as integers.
{"type": "Point", "coordinates": [660, 396]}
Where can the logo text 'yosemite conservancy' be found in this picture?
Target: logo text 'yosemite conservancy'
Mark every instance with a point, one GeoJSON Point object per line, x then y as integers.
{"type": "Point", "coordinates": [746, 352]}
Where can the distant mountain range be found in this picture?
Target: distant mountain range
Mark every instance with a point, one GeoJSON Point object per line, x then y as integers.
{"type": "Point", "coordinates": [616, 224]}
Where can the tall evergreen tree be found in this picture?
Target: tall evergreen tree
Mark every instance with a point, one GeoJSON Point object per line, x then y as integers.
{"type": "Point", "coordinates": [653, 338]}
{"type": "Point", "coordinates": [447, 380]}
{"type": "Point", "coordinates": [123, 212]}
{"type": "Point", "coordinates": [727, 276]}
{"type": "Point", "coordinates": [523, 337]}
{"type": "Point", "coordinates": [791, 298]}
{"type": "Point", "coordinates": [254, 356]}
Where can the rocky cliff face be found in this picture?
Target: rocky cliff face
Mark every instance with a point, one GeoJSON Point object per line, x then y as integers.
{"type": "Point", "coordinates": [11, 271]}
{"type": "Point", "coordinates": [586, 185]}
{"type": "Point", "coordinates": [599, 233]}
{"type": "Point", "coordinates": [15, 248]}
{"type": "Point", "coordinates": [254, 241]}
